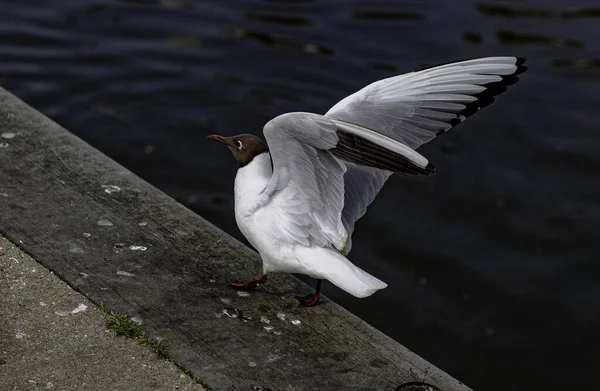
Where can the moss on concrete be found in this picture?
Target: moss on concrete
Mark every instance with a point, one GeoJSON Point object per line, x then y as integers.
{"type": "Point", "coordinates": [121, 324]}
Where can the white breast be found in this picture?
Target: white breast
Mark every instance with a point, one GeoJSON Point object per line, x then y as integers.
{"type": "Point", "coordinates": [250, 181]}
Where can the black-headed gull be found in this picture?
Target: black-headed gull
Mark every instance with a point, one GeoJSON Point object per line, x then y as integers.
{"type": "Point", "coordinates": [297, 197]}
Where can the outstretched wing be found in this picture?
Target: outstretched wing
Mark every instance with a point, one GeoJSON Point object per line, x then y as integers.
{"type": "Point", "coordinates": [416, 107]}
{"type": "Point", "coordinates": [413, 109]}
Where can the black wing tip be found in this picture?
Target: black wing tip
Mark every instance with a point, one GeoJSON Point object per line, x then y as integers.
{"type": "Point", "coordinates": [521, 67]}
{"type": "Point", "coordinates": [453, 122]}
{"type": "Point", "coordinates": [487, 96]}
{"type": "Point", "coordinates": [430, 168]}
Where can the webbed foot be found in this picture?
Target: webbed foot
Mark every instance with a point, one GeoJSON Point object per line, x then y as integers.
{"type": "Point", "coordinates": [308, 300]}
{"type": "Point", "coordinates": [248, 285]}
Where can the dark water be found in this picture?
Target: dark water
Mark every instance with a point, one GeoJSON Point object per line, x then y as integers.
{"type": "Point", "coordinates": [492, 264]}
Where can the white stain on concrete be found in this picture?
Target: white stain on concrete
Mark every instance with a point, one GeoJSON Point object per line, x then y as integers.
{"type": "Point", "coordinates": [87, 234]}
{"type": "Point", "coordinates": [226, 300]}
{"type": "Point", "coordinates": [243, 294]}
{"type": "Point", "coordinates": [124, 273]}
{"type": "Point", "coordinates": [20, 334]}
{"type": "Point", "coordinates": [143, 224]}
{"type": "Point", "coordinates": [84, 275]}
{"type": "Point", "coordinates": [252, 364]}
{"type": "Point", "coordinates": [79, 308]}
{"type": "Point", "coordinates": [62, 313]}
{"type": "Point", "coordinates": [234, 313]}
{"type": "Point", "coordinates": [3, 194]}
{"type": "Point", "coordinates": [228, 313]}
{"type": "Point", "coordinates": [135, 247]}
{"type": "Point", "coordinates": [76, 250]}
{"type": "Point", "coordinates": [136, 319]}
{"type": "Point", "coordinates": [3, 145]}
{"type": "Point", "coordinates": [281, 316]}
{"type": "Point", "coordinates": [8, 135]}
{"type": "Point", "coordinates": [105, 223]}
{"type": "Point", "coordinates": [268, 328]}
{"type": "Point", "coordinates": [296, 322]}
{"type": "Point", "coordinates": [111, 189]}
{"type": "Point", "coordinates": [264, 319]}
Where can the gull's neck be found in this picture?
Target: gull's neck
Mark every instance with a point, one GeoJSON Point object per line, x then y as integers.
{"type": "Point", "coordinates": [251, 180]}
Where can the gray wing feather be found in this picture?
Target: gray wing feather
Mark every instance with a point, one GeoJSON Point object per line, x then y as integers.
{"type": "Point", "coordinates": [362, 184]}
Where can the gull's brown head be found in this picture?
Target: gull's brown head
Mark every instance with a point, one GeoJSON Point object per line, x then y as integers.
{"type": "Point", "coordinates": [244, 147]}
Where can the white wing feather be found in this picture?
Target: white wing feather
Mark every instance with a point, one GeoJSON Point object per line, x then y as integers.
{"type": "Point", "coordinates": [307, 186]}
{"type": "Point", "coordinates": [415, 107]}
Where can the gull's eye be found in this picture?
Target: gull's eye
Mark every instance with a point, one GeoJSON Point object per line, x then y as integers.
{"type": "Point", "coordinates": [239, 144]}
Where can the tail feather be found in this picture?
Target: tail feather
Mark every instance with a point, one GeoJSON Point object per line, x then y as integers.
{"type": "Point", "coordinates": [329, 264]}
{"type": "Point", "coordinates": [356, 281]}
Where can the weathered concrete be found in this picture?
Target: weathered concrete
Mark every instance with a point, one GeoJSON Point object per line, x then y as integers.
{"type": "Point", "coordinates": [48, 340]}
{"type": "Point", "coordinates": [122, 242]}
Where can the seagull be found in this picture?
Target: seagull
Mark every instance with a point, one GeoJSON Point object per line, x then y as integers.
{"type": "Point", "coordinates": [298, 197]}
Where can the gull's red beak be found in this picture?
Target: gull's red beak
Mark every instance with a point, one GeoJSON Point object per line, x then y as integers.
{"type": "Point", "coordinates": [218, 138]}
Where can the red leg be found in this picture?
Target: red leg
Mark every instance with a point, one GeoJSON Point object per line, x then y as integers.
{"type": "Point", "coordinates": [250, 284]}
{"type": "Point", "coordinates": [310, 300]}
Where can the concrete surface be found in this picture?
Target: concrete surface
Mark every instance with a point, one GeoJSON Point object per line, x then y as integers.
{"type": "Point", "coordinates": [120, 241]}
{"type": "Point", "coordinates": [45, 345]}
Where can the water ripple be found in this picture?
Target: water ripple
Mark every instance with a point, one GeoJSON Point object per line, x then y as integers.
{"type": "Point", "coordinates": [507, 11]}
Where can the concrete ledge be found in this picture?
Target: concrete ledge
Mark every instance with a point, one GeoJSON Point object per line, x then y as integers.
{"type": "Point", "coordinates": [121, 242]}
